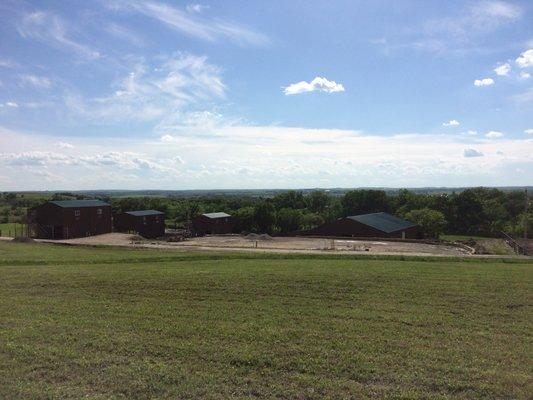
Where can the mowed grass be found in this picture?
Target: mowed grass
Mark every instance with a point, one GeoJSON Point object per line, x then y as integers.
{"type": "Point", "coordinates": [103, 323]}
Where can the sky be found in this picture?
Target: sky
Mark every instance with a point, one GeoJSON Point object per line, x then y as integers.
{"type": "Point", "coordinates": [154, 94]}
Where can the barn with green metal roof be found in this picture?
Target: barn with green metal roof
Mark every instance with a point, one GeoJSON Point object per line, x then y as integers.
{"type": "Point", "coordinates": [378, 225]}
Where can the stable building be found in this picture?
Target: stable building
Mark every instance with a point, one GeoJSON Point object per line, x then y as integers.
{"type": "Point", "coordinates": [69, 219]}
{"type": "Point", "coordinates": [213, 223]}
{"type": "Point", "coordinates": [147, 223]}
{"type": "Point", "coordinates": [378, 225]}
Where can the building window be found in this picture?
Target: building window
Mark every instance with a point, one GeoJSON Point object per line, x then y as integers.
{"type": "Point", "coordinates": [144, 220]}
{"type": "Point", "coordinates": [77, 213]}
{"type": "Point", "coordinates": [99, 211]}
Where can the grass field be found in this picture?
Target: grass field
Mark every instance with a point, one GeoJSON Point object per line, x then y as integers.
{"type": "Point", "coordinates": [104, 323]}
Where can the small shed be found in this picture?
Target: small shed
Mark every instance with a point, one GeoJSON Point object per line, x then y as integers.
{"type": "Point", "coordinates": [213, 223]}
{"type": "Point", "coordinates": [369, 225]}
{"type": "Point", "coordinates": [69, 219]}
{"type": "Point", "coordinates": [147, 223]}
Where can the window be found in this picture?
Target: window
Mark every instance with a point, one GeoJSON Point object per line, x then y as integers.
{"type": "Point", "coordinates": [99, 211]}
{"type": "Point", "coordinates": [77, 213]}
{"type": "Point", "coordinates": [144, 220]}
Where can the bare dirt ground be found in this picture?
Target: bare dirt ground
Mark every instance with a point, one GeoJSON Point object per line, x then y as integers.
{"type": "Point", "coordinates": [276, 244]}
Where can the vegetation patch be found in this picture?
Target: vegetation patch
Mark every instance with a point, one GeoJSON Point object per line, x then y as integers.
{"type": "Point", "coordinates": [120, 323]}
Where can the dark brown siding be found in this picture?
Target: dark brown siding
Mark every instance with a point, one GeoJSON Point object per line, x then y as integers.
{"type": "Point", "coordinates": [351, 228]}
{"type": "Point", "coordinates": [204, 225]}
{"type": "Point", "coordinates": [54, 222]}
{"type": "Point", "coordinates": [149, 226]}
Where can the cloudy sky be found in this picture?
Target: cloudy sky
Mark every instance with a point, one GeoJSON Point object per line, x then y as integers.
{"type": "Point", "coordinates": [139, 94]}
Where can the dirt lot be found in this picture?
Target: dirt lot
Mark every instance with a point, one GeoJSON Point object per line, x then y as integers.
{"type": "Point", "coordinates": [277, 244]}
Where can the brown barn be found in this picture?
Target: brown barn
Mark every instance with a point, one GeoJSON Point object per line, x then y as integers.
{"type": "Point", "coordinates": [369, 225]}
{"type": "Point", "coordinates": [72, 219]}
{"type": "Point", "coordinates": [147, 223]}
{"type": "Point", "coordinates": [213, 223]}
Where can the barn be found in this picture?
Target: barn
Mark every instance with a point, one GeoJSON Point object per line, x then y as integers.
{"type": "Point", "coordinates": [369, 225]}
{"type": "Point", "coordinates": [213, 223]}
{"type": "Point", "coordinates": [147, 223]}
{"type": "Point", "coordinates": [69, 219]}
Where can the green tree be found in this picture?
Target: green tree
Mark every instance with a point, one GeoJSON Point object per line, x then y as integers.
{"type": "Point", "coordinates": [311, 220]}
{"type": "Point", "coordinates": [364, 201]}
{"type": "Point", "coordinates": [317, 201]}
{"type": "Point", "coordinates": [432, 222]}
{"type": "Point", "coordinates": [245, 219]}
{"type": "Point", "coordinates": [288, 220]}
{"type": "Point", "coordinates": [265, 216]}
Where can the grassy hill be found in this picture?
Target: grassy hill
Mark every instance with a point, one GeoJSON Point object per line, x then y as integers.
{"type": "Point", "coordinates": [119, 323]}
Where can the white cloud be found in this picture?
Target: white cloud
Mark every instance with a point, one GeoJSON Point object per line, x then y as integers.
{"type": "Point", "coordinates": [51, 29]}
{"type": "Point", "coordinates": [157, 93]}
{"type": "Point", "coordinates": [469, 153]}
{"type": "Point", "coordinates": [271, 156]}
{"type": "Point", "coordinates": [472, 133]}
{"type": "Point", "coordinates": [196, 8]}
{"type": "Point", "coordinates": [124, 34]}
{"type": "Point", "coordinates": [64, 145]}
{"type": "Point", "coordinates": [493, 134]}
{"type": "Point", "coordinates": [458, 34]}
{"type": "Point", "coordinates": [452, 122]}
{"type": "Point", "coordinates": [192, 25]}
{"type": "Point", "coordinates": [503, 70]}
{"type": "Point", "coordinates": [11, 104]}
{"type": "Point", "coordinates": [39, 81]}
{"type": "Point", "coordinates": [167, 138]}
{"type": "Point", "coordinates": [529, 131]}
{"type": "Point", "coordinates": [5, 63]}
{"type": "Point", "coordinates": [318, 84]}
{"type": "Point", "coordinates": [484, 82]}
{"type": "Point", "coordinates": [524, 75]}
{"type": "Point", "coordinates": [526, 59]}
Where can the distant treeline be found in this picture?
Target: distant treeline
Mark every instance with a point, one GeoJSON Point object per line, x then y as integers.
{"type": "Point", "coordinates": [476, 211]}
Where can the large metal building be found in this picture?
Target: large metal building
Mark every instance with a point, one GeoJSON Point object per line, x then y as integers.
{"type": "Point", "coordinates": [369, 225]}
{"type": "Point", "coordinates": [71, 219]}
{"type": "Point", "coordinates": [213, 223]}
{"type": "Point", "coordinates": [147, 223]}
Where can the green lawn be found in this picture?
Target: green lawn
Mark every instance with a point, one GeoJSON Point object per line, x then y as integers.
{"type": "Point", "coordinates": [102, 323]}
{"type": "Point", "coordinates": [9, 229]}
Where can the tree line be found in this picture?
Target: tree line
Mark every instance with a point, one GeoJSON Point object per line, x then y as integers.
{"type": "Point", "coordinates": [476, 211]}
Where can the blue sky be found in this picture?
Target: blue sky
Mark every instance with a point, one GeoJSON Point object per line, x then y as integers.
{"type": "Point", "coordinates": [250, 94]}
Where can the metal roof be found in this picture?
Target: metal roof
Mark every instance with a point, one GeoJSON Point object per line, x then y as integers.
{"type": "Point", "coordinates": [216, 215]}
{"type": "Point", "coordinates": [80, 203]}
{"type": "Point", "coordinates": [382, 221]}
{"type": "Point", "coordinates": [144, 213]}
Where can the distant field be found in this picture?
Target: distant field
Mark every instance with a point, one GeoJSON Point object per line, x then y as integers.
{"type": "Point", "coordinates": [117, 323]}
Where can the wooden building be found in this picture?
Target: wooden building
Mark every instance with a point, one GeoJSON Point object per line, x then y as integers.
{"type": "Point", "coordinates": [369, 225]}
{"type": "Point", "coordinates": [71, 219]}
{"type": "Point", "coordinates": [147, 223]}
{"type": "Point", "coordinates": [213, 223]}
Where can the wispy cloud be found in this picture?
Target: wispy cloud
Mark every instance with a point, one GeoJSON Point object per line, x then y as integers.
{"type": "Point", "coordinates": [51, 29]}
{"type": "Point", "coordinates": [122, 33]}
{"type": "Point", "coordinates": [192, 25]}
{"type": "Point", "coordinates": [156, 92]}
{"type": "Point", "coordinates": [196, 8]}
{"type": "Point", "coordinates": [318, 84]}
{"type": "Point", "coordinates": [459, 34]}
{"type": "Point", "coordinates": [38, 81]}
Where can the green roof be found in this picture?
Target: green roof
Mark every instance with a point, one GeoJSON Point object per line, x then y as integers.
{"type": "Point", "coordinates": [216, 215]}
{"type": "Point", "coordinates": [80, 203]}
{"type": "Point", "coordinates": [383, 222]}
{"type": "Point", "coordinates": [144, 213]}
